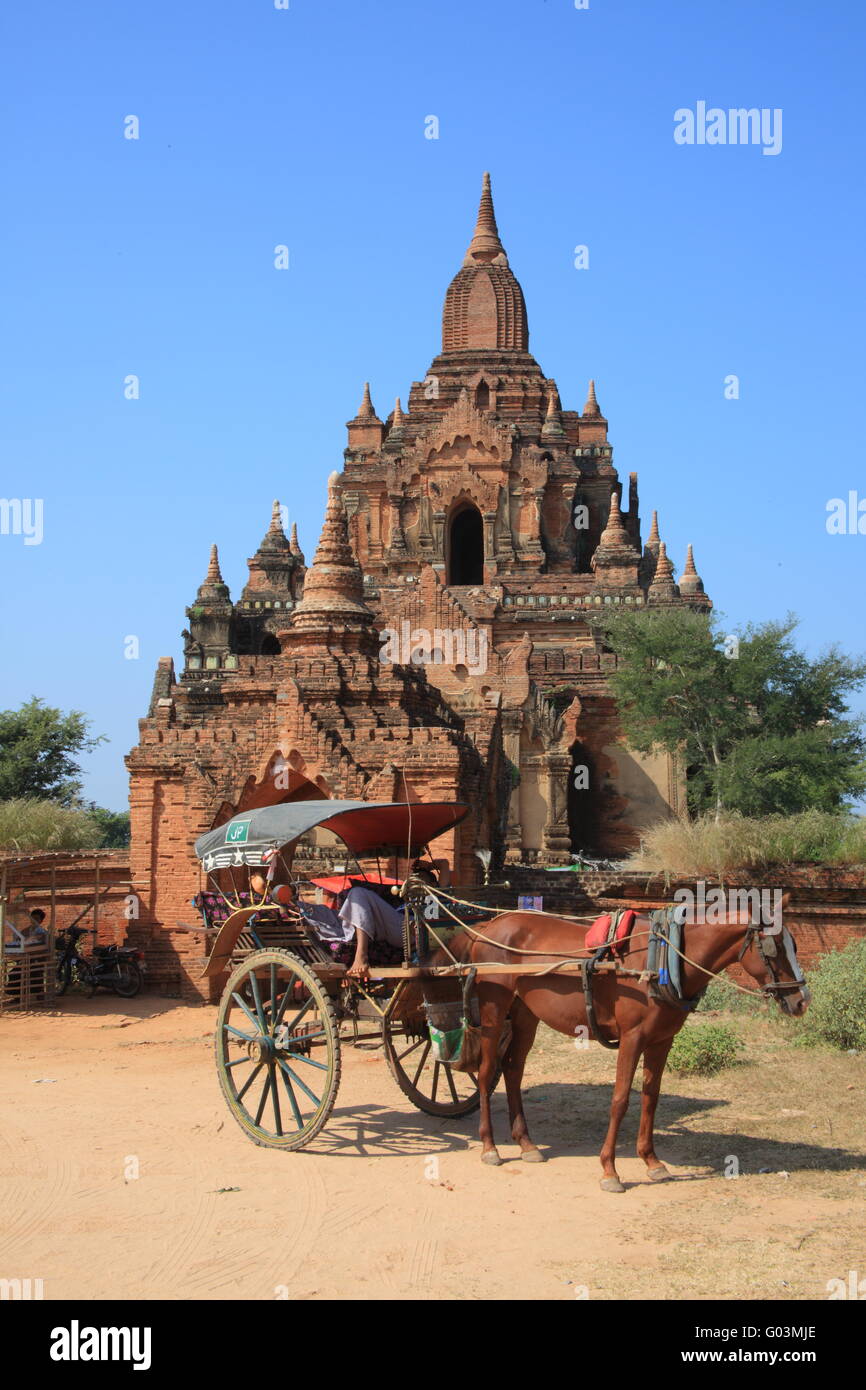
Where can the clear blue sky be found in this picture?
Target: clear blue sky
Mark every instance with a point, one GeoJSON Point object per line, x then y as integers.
{"type": "Point", "coordinates": [306, 127]}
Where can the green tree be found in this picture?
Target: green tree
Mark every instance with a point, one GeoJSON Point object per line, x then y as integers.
{"type": "Point", "coordinates": [761, 727]}
{"type": "Point", "coordinates": [114, 826]}
{"type": "Point", "coordinates": [39, 752]}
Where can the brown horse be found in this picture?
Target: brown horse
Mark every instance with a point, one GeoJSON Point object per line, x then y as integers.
{"type": "Point", "coordinates": [624, 1008]}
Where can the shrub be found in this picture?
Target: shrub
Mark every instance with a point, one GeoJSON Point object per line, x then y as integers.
{"type": "Point", "coordinates": [837, 1014]}
{"type": "Point", "coordinates": [702, 1049]}
{"type": "Point", "coordinates": [710, 848]}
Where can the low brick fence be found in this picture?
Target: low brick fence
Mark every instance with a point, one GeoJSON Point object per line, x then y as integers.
{"type": "Point", "coordinates": [827, 907]}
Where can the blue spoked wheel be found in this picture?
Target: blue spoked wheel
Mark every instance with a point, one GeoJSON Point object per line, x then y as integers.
{"type": "Point", "coordinates": [277, 1050]}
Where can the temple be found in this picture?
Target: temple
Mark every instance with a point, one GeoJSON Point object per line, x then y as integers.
{"type": "Point", "coordinates": [441, 643]}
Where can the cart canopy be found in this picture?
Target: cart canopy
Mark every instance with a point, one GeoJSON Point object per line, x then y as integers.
{"type": "Point", "coordinates": [365, 827]}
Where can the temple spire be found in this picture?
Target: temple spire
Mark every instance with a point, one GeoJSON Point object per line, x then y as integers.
{"type": "Point", "coordinates": [650, 553]}
{"type": "Point", "coordinates": [366, 430]}
{"type": "Point", "coordinates": [485, 244]}
{"type": "Point", "coordinates": [484, 305]}
{"type": "Point", "coordinates": [690, 580]}
{"type": "Point", "coordinates": [663, 586]}
{"type": "Point", "coordinates": [398, 419]}
{"type": "Point", "coordinates": [553, 419]}
{"type": "Point", "coordinates": [591, 408]}
{"type": "Point", "coordinates": [209, 638]}
{"type": "Point", "coordinates": [333, 604]}
{"type": "Point", "coordinates": [213, 575]}
{"type": "Point", "coordinates": [615, 549]}
{"type": "Point", "coordinates": [294, 543]}
{"type": "Point", "coordinates": [366, 411]}
{"type": "Point", "coordinates": [274, 538]}
{"type": "Point", "coordinates": [273, 578]}
{"type": "Point", "coordinates": [614, 532]}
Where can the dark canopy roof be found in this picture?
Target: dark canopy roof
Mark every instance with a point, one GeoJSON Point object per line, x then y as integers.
{"type": "Point", "coordinates": [365, 827]}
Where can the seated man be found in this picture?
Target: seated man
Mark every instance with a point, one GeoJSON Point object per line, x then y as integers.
{"type": "Point", "coordinates": [35, 933]}
{"type": "Point", "coordinates": [371, 919]}
{"type": "Point", "coordinates": [353, 914]}
{"type": "Point", "coordinates": [321, 916]}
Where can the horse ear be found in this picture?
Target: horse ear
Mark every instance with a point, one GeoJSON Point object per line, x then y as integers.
{"type": "Point", "coordinates": [786, 901]}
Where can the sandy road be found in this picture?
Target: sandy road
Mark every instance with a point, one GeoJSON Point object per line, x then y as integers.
{"type": "Point", "coordinates": [122, 1174]}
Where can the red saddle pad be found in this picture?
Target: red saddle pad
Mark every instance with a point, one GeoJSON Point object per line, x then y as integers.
{"type": "Point", "coordinates": [598, 933]}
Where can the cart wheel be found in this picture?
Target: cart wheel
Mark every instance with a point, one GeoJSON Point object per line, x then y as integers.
{"type": "Point", "coordinates": [277, 1050]}
{"type": "Point", "coordinates": [432, 1086]}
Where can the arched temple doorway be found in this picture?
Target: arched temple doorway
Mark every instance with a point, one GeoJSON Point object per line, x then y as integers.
{"type": "Point", "coordinates": [465, 552]}
{"type": "Point", "coordinates": [583, 799]}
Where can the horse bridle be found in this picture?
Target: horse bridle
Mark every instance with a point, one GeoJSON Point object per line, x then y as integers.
{"type": "Point", "coordinates": [765, 943]}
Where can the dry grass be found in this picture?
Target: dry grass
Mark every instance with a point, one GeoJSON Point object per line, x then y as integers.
{"type": "Point", "coordinates": [795, 1124]}
{"type": "Point", "coordinates": [29, 824]}
{"type": "Point", "coordinates": [710, 848]}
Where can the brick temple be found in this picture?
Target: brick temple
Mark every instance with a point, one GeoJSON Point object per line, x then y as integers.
{"type": "Point", "coordinates": [440, 645]}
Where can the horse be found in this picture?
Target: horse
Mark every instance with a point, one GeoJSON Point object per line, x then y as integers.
{"type": "Point", "coordinates": [625, 1010]}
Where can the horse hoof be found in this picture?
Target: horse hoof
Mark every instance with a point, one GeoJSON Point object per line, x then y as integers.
{"type": "Point", "coordinates": [532, 1156]}
{"type": "Point", "coordinates": [658, 1174]}
{"type": "Point", "coordinates": [491, 1157]}
{"type": "Point", "coordinates": [612, 1185]}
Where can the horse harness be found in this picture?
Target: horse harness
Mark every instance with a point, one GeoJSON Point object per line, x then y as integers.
{"type": "Point", "coordinates": [767, 947]}
{"type": "Point", "coordinates": [663, 972]}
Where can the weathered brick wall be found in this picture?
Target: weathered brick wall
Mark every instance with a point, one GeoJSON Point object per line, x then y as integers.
{"type": "Point", "coordinates": [827, 907]}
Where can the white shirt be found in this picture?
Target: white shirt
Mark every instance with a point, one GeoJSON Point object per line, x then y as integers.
{"type": "Point", "coordinates": [363, 910]}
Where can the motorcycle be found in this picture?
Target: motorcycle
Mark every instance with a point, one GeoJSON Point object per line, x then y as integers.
{"type": "Point", "coordinates": [120, 968]}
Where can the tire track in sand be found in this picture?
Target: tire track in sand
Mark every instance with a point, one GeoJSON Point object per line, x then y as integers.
{"type": "Point", "coordinates": [34, 1189]}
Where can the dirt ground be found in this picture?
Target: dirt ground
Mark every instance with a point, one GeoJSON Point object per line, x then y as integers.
{"type": "Point", "coordinates": [122, 1174]}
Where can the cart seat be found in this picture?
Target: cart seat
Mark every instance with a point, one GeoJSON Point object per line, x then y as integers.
{"type": "Point", "coordinates": [285, 928]}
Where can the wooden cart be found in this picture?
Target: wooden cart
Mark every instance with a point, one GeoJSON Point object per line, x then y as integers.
{"type": "Point", "coordinates": [287, 1004]}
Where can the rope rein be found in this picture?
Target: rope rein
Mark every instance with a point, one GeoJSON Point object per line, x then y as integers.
{"type": "Point", "coordinates": [462, 902]}
{"type": "Point", "coordinates": [714, 974]}
{"type": "Point", "coordinates": [583, 953]}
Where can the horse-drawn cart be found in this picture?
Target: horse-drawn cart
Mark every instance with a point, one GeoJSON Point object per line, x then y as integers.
{"type": "Point", "coordinates": [628, 982]}
{"type": "Point", "coordinates": [284, 1008]}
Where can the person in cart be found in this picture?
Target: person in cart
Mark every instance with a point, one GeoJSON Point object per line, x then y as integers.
{"type": "Point", "coordinates": [351, 913]}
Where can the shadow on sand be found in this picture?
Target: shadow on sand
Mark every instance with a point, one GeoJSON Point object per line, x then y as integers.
{"type": "Point", "coordinates": [569, 1120]}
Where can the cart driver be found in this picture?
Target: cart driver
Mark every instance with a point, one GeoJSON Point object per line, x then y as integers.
{"type": "Point", "coordinates": [358, 915]}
